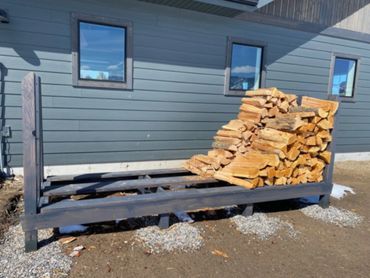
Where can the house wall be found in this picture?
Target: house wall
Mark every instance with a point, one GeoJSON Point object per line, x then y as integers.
{"type": "Point", "coordinates": [178, 101]}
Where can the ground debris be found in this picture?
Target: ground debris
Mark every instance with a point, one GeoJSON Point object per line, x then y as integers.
{"type": "Point", "coordinates": [75, 253]}
{"type": "Point", "coordinates": [66, 240]}
{"type": "Point", "coordinates": [181, 237]}
{"type": "Point", "coordinates": [333, 215]}
{"type": "Point", "coordinates": [220, 253]}
{"type": "Point", "coordinates": [262, 226]}
{"type": "Point", "coordinates": [48, 261]}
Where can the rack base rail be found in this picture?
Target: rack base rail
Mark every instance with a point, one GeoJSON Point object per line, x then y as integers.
{"type": "Point", "coordinates": [153, 192]}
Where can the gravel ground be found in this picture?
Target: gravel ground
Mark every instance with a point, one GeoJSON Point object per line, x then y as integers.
{"type": "Point", "coordinates": [262, 226]}
{"type": "Point", "coordinates": [337, 216]}
{"type": "Point", "coordinates": [48, 261]}
{"type": "Point", "coordinates": [181, 237]}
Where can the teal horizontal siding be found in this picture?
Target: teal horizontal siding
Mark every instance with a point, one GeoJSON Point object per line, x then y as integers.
{"type": "Point", "coordinates": [177, 103]}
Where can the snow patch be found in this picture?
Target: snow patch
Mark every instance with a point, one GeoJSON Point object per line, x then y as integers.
{"type": "Point", "coordinates": [72, 229]}
{"type": "Point", "coordinates": [340, 191]}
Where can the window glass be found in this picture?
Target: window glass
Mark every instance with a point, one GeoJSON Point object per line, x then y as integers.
{"type": "Point", "coordinates": [245, 70]}
{"type": "Point", "coordinates": [102, 52]}
{"type": "Point", "coordinates": [344, 77]}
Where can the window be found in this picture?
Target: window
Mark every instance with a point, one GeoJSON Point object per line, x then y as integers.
{"type": "Point", "coordinates": [102, 52]}
{"type": "Point", "coordinates": [244, 66]}
{"type": "Point", "coordinates": [343, 75]}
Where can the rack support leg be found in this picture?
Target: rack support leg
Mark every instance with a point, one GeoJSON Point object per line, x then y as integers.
{"type": "Point", "coordinates": [324, 200]}
{"type": "Point", "coordinates": [248, 210]}
{"type": "Point", "coordinates": [164, 221]}
{"type": "Point", "coordinates": [31, 240]}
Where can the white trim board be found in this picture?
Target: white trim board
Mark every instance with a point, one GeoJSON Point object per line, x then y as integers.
{"type": "Point", "coordinates": [105, 167]}
{"type": "Point", "coordinates": [360, 156]}
{"type": "Point", "coordinates": [160, 164]}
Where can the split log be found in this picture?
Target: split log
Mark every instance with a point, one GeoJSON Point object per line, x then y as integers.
{"type": "Point", "coordinates": [227, 140]}
{"type": "Point", "coordinates": [285, 123]}
{"type": "Point", "coordinates": [277, 136]}
{"type": "Point", "coordinates": [220, 153]}
{"type": "Point", "coordinates": [232, 180]}
{"type": "Point", "coordinates": [327, 105]}
{"type": "Point", "coordinates": [249, 116]}
{"type": "Point", "coordinates": [243, 172]}
{"type": "Point", "coordinates": [224, 146]}
{"type": "Point", "coordinates": [236, 125]}
{"type": "Point", "coordinates": [271, 92]}
{"type": "Point", "coordinates": [229, 133]}
{"type": "Point", "coordinates": [253, 109]}
{"type": "Point", "coordinates": [257, 102]}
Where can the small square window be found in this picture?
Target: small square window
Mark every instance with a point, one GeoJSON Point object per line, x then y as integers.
{"type": "Point", "coordinates": [343, 77]}
{"type": "Point", "coordinates": [102, 53]}
{"type": "Point", "coordinates": [244, 67]}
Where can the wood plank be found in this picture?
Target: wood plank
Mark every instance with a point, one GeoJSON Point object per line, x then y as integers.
{"type": "Point", "coordinates": [112, 186]}
{"type": "Point", "coordinates": [31, 179]}
{"type": "Point", "coordinates": [115, 175]}
{"type": "Point", "coordinates": [31, 155]}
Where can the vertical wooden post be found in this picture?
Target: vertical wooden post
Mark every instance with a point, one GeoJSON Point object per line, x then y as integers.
{"type": "Point", "coordinates": [164, 218]}
{"type": "Point", "coordinates": [30, 89]}
{"type": "Point", "coordinates": [324, 200]}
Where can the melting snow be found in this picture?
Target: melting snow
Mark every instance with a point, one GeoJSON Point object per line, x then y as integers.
{"type": "Point", "coordinates": [340, 191]}
{"type": "Point", "coordinates": [72, 229]}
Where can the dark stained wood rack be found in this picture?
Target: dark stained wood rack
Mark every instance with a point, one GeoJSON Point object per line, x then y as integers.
{"type": "Point", "coordinates": [157, 192]}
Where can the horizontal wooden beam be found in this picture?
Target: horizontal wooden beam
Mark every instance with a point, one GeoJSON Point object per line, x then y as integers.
{"type": "Point", "coordinates": [70, 212]}
{"type": "Point", "coordinates": [120, 185]}
{"type": "Point", "coordinates": [113, 175]}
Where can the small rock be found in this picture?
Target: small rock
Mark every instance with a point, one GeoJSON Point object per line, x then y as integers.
{"type": "Point", "coordinates": [75, 253]}
{"type": "Point", "coordinates": [78, 248]}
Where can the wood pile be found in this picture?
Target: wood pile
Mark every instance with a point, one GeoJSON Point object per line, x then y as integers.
{"type": "Point", "coordinates": [273, 141]}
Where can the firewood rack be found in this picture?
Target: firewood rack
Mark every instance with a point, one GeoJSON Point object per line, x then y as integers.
{"type": "Point", "coordinates": [47, 202]}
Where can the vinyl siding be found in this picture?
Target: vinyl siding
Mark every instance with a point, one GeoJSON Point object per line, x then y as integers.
{"type": "Point", "coordinates": [177, 103]}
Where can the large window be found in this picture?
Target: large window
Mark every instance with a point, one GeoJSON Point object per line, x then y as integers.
{"type": "Point", "coordinates": [102, 53]}
{"type": "Point", "coordinates": [343, 76]}
{"type": "Point", "coordinates": [244, 66]}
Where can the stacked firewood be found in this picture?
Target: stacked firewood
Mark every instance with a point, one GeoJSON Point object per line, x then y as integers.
{"type": "Point", "coordinates": [272, 142]}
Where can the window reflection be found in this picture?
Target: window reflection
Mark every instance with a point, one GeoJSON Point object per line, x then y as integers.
{"type": "Point", "coordinates": [245, 68]}
{"type": "Point", "coordinates": [102, 52]}
{"type": "Point", "coordinates": [344, 77]}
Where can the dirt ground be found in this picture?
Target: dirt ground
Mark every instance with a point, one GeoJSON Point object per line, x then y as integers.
{"type": "Point", "coordinates": [321, 250]}
{"type": "Point", "coordinates": [10, 193]}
